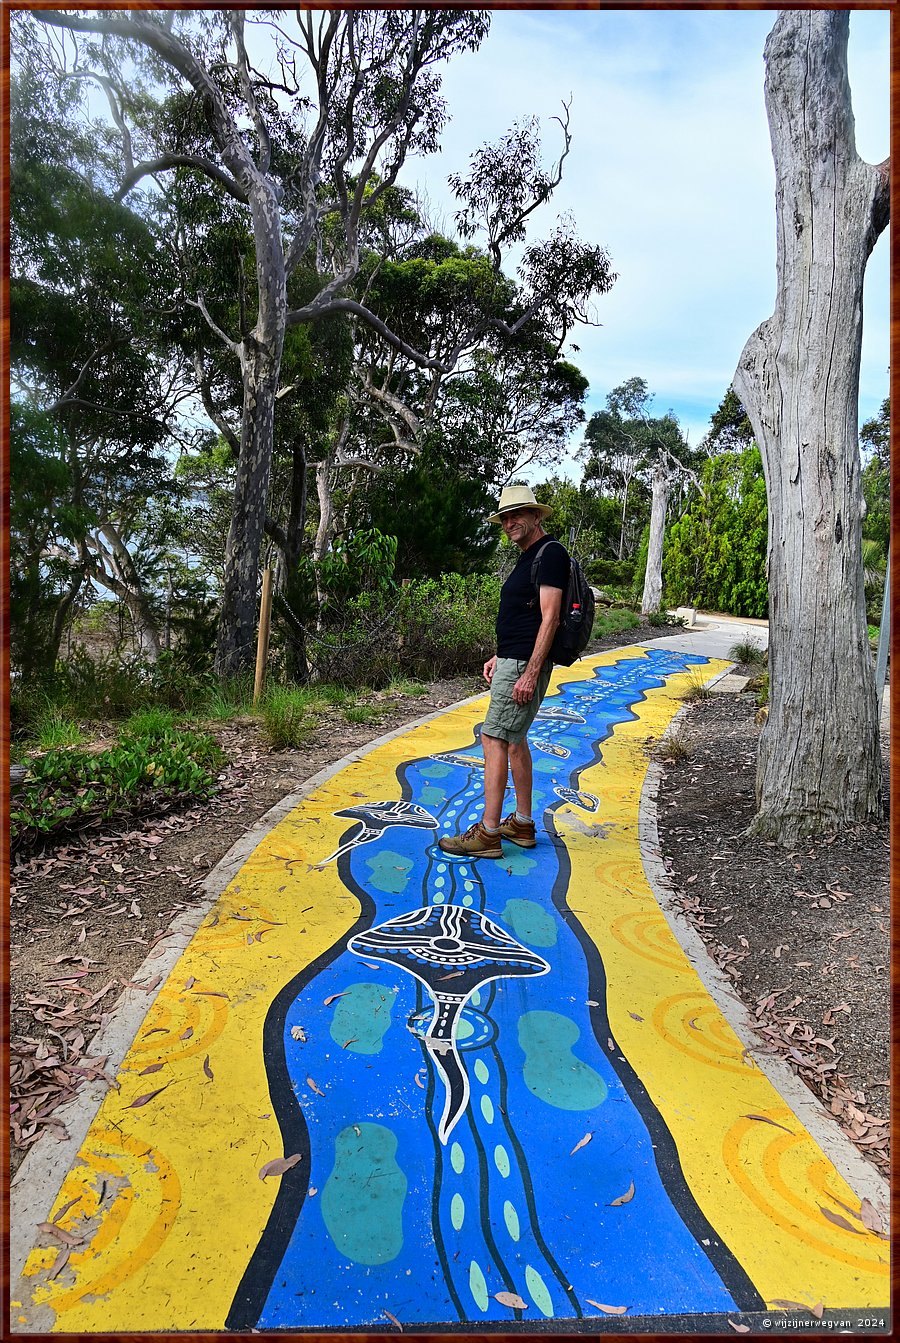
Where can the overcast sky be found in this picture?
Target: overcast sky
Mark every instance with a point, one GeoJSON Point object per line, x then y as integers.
{"type": "Point", "coordinates": [671, 170]}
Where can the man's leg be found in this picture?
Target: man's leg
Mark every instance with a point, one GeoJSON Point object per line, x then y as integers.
{"type": "Point", "coordinates": [522, 773]}
{"type": "Point", "coordinates": [497, 753]}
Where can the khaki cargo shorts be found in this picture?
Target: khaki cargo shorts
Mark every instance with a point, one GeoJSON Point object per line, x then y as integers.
{"type": "Point", "coordinates": [505, 718]}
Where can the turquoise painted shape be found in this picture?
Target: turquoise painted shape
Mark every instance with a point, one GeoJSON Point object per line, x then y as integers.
{"type": "Point", "coordinates": [516, 861]}
{"type": "Point", "coordinates": [546, 765]}
{"type": "Point", "coordinates": [390, 872]}
{"type": "Point", "coordinates": [432, 797]}
{"type": "Point", "coordinates": [361, 1018]}
{"type": "Point", "coordinates": [538, 1291]}
{"type": "Point", "coordinates": [530, 922]}
{"type": "Point", "coordinates": [435, 771]}
{"type": "Point", "coordinates": [551, 1071]}
{"type": "Point", "coordinates": [362, 1201]}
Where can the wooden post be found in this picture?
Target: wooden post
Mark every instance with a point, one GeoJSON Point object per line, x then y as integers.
{"type": "Point", "coordinates": [262, 641]}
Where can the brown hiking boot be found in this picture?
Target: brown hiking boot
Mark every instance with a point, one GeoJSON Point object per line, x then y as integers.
{"type": "Point", "coordinates": [475, 843]}
{"type": "Point", "coordinates": [518, 832]}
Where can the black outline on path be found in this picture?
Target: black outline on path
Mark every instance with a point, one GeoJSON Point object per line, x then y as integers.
{"type": "Point", "coordinates": [259, 1276]}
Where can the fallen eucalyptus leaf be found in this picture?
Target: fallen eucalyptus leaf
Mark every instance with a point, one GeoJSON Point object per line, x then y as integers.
{"type": "Point", "coordinates": [148, 1096]}
{"type": "Point", "coordinates": [625, 1198]}
{"type": "Point", "coordinates": [763, 1120]}
{"type": "Point", "coordinates": [278, 1165]}
{"type": "Point", "coordinates": [511, 1299]}
{"type": "Point", "coordinates": [609, 1310]}
{"type": "Point", "coordinates": [583, 1143]}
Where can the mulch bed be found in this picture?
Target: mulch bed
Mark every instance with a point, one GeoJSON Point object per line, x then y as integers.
{"type": "Point", "coordinates": [803, 936]}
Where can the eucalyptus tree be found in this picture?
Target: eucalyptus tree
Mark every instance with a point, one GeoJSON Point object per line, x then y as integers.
{"type": "Point", "coordinates": [363, 92]}
{"type": "Point", "coordinates": [94, 393]}
{"type": "Point", "coordinates": [798, 377]}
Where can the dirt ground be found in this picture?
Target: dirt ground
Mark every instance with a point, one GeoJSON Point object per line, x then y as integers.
{"type": "Point", "coordinates": [803, 936]}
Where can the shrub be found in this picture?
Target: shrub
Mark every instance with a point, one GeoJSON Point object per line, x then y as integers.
{"type": "Point", "coordinates": [658, 619]}
{"type": "Point", "coordinates": [610, 573]}
{"type": "Point", "coordinates": [289, 715]}
{"type": "Point", "coordinates": [697, 690]}
{"type": "Point", "coordinates": [715, 555]}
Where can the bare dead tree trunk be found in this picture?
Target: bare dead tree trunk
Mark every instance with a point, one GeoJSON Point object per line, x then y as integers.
{"type": "Point", "coordinates": [661, 488]}
{"type": "Point", "coordinates": [798, 377]}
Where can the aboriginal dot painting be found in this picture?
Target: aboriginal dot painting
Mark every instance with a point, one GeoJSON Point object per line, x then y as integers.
{"type": "Point", "coordinates": [392, 1086]}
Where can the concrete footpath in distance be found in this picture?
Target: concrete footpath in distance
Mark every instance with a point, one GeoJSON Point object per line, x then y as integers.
{"type": "Point", "coordinates": [380, 1086]}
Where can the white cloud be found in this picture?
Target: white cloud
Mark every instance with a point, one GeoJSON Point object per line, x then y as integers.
{"type": "Point", "coordinates": [671, 170]}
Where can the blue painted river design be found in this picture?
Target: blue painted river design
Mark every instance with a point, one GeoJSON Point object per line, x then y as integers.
{"type": "Point", "coordinates": [465, 1061]}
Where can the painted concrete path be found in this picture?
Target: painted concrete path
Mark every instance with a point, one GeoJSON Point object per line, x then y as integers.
{"type": "Point", "coordinates": [379, 1085]}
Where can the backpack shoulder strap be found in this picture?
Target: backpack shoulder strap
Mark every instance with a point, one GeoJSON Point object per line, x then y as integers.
{"type": "Point", "coordinates": [551, 540]}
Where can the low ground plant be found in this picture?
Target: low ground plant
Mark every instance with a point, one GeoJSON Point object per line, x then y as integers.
{"type": "Point", "coordinates": [674, 746]}
{"type": "Point", "coordinates": [658, 619]}
{"type": "Point", "coordinates": [66, 790]}
{"type": "Point", "coordinates": [51, 728]}
{"type": "Point", "coordinates": [613, 620]}
{"type": "Point", "coordinates": [697, 690]}
{"type": "Point", "coordinates": [749, 653]}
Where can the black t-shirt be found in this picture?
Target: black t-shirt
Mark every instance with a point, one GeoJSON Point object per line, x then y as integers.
{"type": "Point", "coordinates": [519, 616]}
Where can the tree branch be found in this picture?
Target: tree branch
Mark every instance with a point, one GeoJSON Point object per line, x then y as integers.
{"type": "Point", "coordinates": [318, 308]}
{"type": "Point", "coordinates": [139, 170]}
{"type": "Point", "coordinates": [233, 345]}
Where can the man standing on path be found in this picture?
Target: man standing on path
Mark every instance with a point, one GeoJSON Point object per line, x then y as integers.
{"type": "Point", "coordinates": [518, 675]}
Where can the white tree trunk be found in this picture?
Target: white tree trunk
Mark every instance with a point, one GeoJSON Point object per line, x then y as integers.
{"type": "Point", "coordinates": [659, 502]}
{"type": "Point", "coordinates": [798, 377]}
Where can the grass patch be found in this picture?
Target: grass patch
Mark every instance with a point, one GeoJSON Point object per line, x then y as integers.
{"type": "Point", "coordinates": [613, 620]}
{"type": "Point", "coordinates": [749, 653]}
{"type": "Point", "coordinates": [52, 729]}
{"type": "Point", "coordinates": [405, 687]}
{"type": "Point", "coordinates": [290, 715]}
{"type": "Point", "coordinates": [222, 703]}
{"type": "Point", "coordinates": [151, 723]}
{"type": "Point", "coordinates": [673, 747]}
{"type": "Point", "coordinates": [697, 690]}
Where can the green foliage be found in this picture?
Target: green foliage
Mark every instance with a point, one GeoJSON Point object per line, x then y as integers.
{"type": "Point", "coordinates": [289, 715]}
{"type": "Point", "coordinates": [67, 789]}
{"type": "Point", "coordinates": [715, 556]}
{"type": "Point", "coordinates": [665, 619]}
{"type": "Point", "coordinates": [611, 573]}
{"type": "Point", "coordinates": [875, 436]}
{"type": "Point", "coordinates": [749, 653]}
{"type": "Point", "coordinates": [615, 619]}
{"type": "Point", "coordinates": [97, 690]}
{"type": "Point", "coordinates": [429, 628]}
{"type": "Point", "coordinates": [53, 729]}
{"type": "Point", "coordinates": [729, 428]}
{"type": "Point", "coordinates": [436, 514]}
{"type": "Point", "coordinates": [761, 686]}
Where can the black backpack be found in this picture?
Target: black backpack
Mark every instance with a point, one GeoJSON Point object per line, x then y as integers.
{"type": "Point", "coordinates": [576, 618]}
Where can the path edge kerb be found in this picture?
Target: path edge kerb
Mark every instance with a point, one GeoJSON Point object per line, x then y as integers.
{"type": "Point", "coordinates": [862, 1177]}
{"type": "Point", "coordinates": [38, 1180]}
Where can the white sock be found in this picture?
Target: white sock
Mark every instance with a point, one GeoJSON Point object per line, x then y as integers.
{"type": "Point", "coordinates": [523, 820]}
{"type": "Point", "coordinates": [490, 829]}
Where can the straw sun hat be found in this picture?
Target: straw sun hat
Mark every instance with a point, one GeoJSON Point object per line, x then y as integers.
{"type": "Point", "coordinates": [517, 496]}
